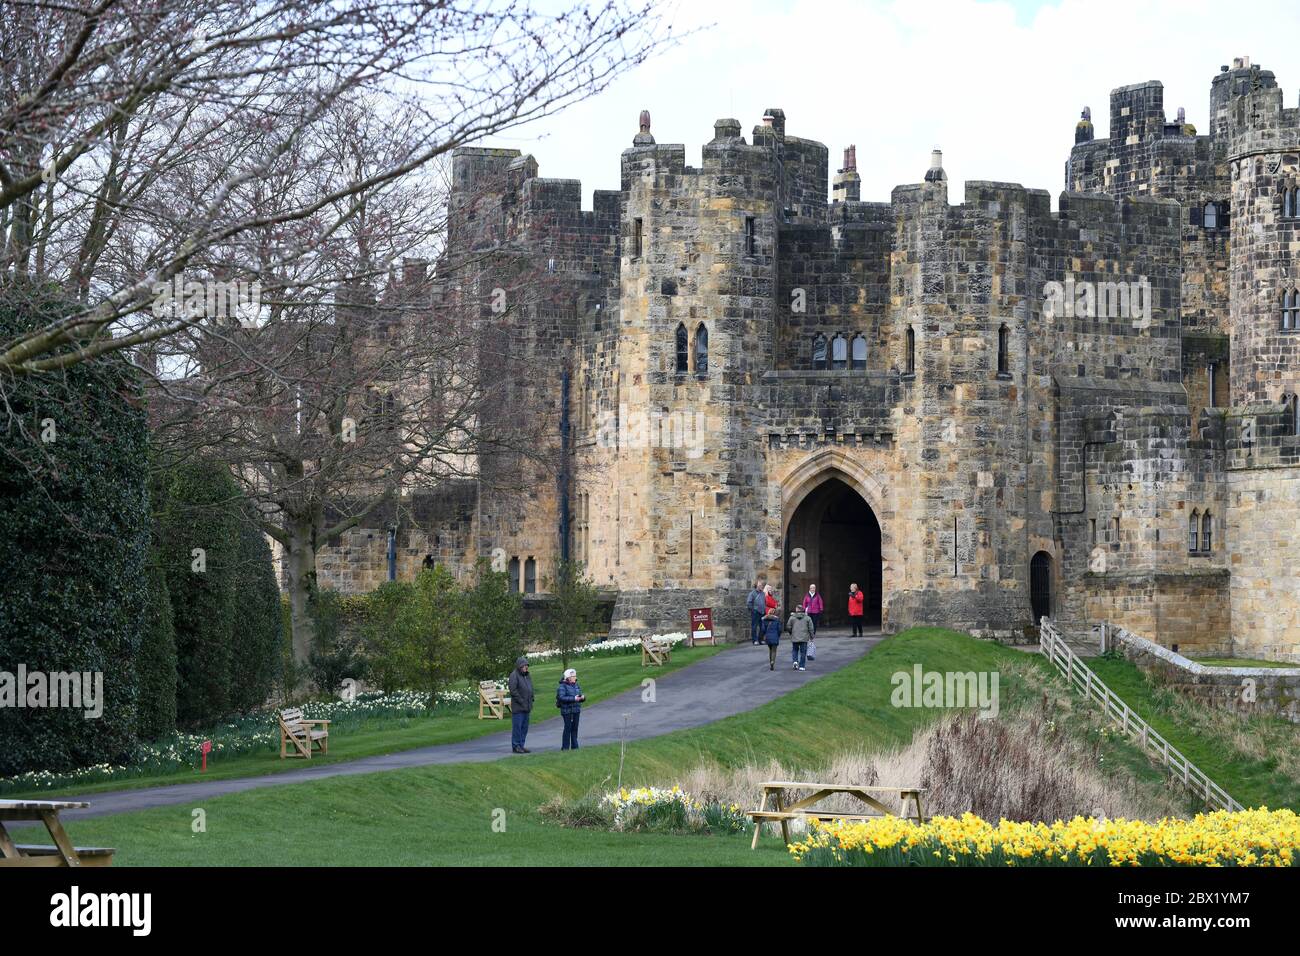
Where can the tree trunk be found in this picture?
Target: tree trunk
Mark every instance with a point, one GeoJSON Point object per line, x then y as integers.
{"type": "Point", "coordinates": [300, 557]}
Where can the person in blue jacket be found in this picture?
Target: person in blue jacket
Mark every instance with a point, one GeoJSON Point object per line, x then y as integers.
{"type": "Point", "coordinates": [771, 630]}
{"type": "Point", "coordinates": [569, 698]}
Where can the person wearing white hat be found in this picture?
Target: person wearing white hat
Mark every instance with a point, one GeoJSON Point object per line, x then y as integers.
{"type": "Point", "coordinates": [569, 698]}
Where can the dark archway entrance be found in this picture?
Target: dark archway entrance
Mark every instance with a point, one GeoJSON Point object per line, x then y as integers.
{"type": "Point", "coordinates": [1040, 586]}
{"type": "Point", "coordinates": [833, 540]}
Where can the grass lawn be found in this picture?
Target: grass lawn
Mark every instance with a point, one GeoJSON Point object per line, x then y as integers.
{"type": "Point", "coordinates": [1241, 662]}
{"type": "Point", "coordinates": [601, 677]}
{"type": "Point", "coordinates": [1254, 781]}
{"type": "Point", "coordinates": [444, 814]}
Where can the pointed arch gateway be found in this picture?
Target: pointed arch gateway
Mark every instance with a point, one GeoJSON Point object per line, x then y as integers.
{"type": "Point", "coordinates": [833, 512]}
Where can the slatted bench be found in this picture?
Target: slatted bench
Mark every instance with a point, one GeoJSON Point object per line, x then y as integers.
{"type": "Point", "coordinates": [655, 651]}
{"type": "Point", "coordinates": [493, 700]}
{"type": "Point", "coordinates": [305, 735]}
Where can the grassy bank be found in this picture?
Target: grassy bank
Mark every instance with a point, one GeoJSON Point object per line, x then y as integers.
{"type": "Point", "coordinates": [602, 677]}
{"type": "Point", "coordinates": [454, 814]}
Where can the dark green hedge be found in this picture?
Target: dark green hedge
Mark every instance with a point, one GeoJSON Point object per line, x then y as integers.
{"type": "Point", "coordinates": [157, 662]}
{"type": "Point", "coordinates": [225, 601]}
{"type": "Point", "coordinates": [75, 532]}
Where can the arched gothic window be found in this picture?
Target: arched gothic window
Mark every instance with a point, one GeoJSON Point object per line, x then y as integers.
{"type": "Point", "coordinates": [839, 352]}
{"type": "Point", "coordinates": [702, 350]}
{"type": "Point", "coordinates": [514, 575]}
{"type": "Point", "coordinates": [1290, 310]}
{"type": "Point", "coordinates": [1207, 527]}
{"type": "Point", "coordinates": [683, 348]}
{"type": "Point", "coordinates": [819, 352]}
{"type": "Point", "coordinates": [1004, 351]}
{"type": "Point", "coordinates": [1193, 528]}
{"type": "Point", "coordinates": [859, 352]}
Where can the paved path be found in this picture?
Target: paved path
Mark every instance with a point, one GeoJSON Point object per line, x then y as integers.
{"type": "Point", "coordinates": [731, 682]}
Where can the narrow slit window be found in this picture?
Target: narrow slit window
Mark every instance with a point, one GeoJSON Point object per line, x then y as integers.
{"type": "Point", "coordinates": [839, 352]}
{"type": "Point", "coordinates": [1193, 529]}
{"type": "Point", "coordinates": [636, 238]}
{"type": "Point", "coordinates": [1004, 358]}
{"type": "Point", "coordinates": [683, 348]}
{"type": "Point", "coordinates": [909, 362]}
{"type": "Point", "coordinates": [750, 244]}
{"type": "Point", "coordinates": [1207, 530]}
{"type": "Point", "coordinates": [514, 575]}
{"type": "Point", "coordinates": [702, 350]}
{"type": "Point", "coordinates": [530, 576]}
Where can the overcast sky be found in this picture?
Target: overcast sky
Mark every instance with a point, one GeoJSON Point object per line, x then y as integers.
{"type": "Point", "coordinates": [996, 84]}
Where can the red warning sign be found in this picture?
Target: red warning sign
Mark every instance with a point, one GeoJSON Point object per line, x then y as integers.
{"type": "Point", "coordinates": [701, 625]}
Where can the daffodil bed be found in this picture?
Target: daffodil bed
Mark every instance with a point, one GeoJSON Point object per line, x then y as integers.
{"type": "Point", "coordinates": [1244, 838]}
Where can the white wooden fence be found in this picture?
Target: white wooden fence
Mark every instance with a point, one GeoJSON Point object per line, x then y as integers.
{"type": "Point", "coordinates": [1080, 677]}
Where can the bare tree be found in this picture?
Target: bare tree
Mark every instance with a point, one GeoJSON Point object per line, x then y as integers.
{"type": "Point", "coordinates": [139, 139]}
{"type": "Point", "coordinates": [361, 380]}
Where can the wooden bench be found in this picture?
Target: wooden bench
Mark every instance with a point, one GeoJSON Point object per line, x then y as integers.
{"type": "Point", "coordinates": [803, 809]}
{"type": "Point", "coordinates": [62, 853]}
{"type": "Point", "coordinates": [656, 652]}
{"type": "Point", "coordinates": [494, 698]}
{"type": "Point", "coordinates": [305, 735]}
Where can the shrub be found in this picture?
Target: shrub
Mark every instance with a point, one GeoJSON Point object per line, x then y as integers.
{"type": "Point", "coordinates": [256, 629]}
{"type": "Point", "coordinates": [156, 665]}
{"type": "Point", "coordinates": [199, 547]}
{"type": "Point", "coordinates": [495, 619]}
{"type": "Point", "coordinates": [572, 611]}
{"type": "Point", "coordinates": [335, 655]}
{"type": "Point", "coordinates": [74, 516]}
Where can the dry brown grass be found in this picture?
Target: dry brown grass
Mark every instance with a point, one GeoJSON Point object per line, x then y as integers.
{"type": "Point", "coordinates": [1021, 765]}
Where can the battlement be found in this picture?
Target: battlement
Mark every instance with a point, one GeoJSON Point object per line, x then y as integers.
{"type": "Point", "coordinates": [1261, 435]}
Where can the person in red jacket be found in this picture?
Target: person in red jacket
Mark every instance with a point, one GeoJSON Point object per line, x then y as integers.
{"type": "Point", "coordinates": [856, 601]}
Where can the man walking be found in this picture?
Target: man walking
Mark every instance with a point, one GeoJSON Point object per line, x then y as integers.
{"type": "Point", "coordinates": [801, 632]}
{"type": "Point", "coordinates": [757, 604]}
{"type": "Point", "coordinates": [521, 705]}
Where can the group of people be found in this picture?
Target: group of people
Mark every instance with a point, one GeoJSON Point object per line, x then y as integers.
{"type": "Point", "coordinates": [765, 621]}
{"type": "Point", "coordinates": [568, 698]}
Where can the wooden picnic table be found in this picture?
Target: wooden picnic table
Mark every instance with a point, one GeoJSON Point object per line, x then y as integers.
{"type": "Point", "coordinates": [63, 853]}
{"type": "Point", "coordinates": [803, 809]}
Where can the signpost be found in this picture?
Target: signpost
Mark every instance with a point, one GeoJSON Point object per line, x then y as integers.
{"type": "Point", "coordinates": [701, 626]}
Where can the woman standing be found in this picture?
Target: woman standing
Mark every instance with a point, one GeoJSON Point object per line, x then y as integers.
{"type": "Point", "coordinates": [814, 605]}
{"type": "Point", "coordinates": [569, 698]}
{"type": "Point", "coordinates": [771, 636]}
{"type": "Point", "coordinates": [856, 601]}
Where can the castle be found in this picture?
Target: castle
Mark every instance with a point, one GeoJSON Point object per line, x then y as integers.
{"type": "Point", "coordinates": [980, 412]}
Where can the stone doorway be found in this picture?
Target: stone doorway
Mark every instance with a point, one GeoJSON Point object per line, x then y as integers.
{"type": "Point", "coordinates": [1040, 586]}
{"type": "Point", "coordinates": [833, 540]}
